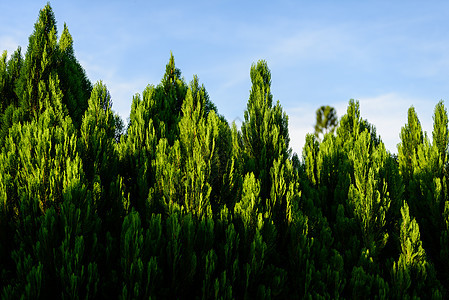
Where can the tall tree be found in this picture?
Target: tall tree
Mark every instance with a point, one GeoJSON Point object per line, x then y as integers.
{"type": "Point", "coordinates": [100, 158]}
{"type": "Point", "coordinates": [50, 64]}
{"type": "Point", "coordinates": [75, 85]}
{"type": "Point", "coordinates": [9, 75]}
{"type": "Point", "coordinates": [412, 274]}
{"type": "Point", "coordinates": [326, 120]}
{"type": "Point", "coordinates": [265, 129]}
{"type": "Point", "coordinates": [411, 139]}
{"type": "Point", "coordinates": [39, 65]}
{"type": "Point", "coordinates": [169, 96]}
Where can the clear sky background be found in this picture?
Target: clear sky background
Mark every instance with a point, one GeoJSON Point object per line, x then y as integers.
{"type": "Point", "coordinates": [389, 55]}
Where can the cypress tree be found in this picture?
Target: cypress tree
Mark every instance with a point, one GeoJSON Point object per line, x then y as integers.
{"type": "Point", "coordinates": [99, 154]}
{"type": "Point", "coordinates": [423, 165]}
{"type": "Point", "coordinates": [39, 65]}
{"type": "Point", "coordinates": [75, 85]}
{"type": "Point", "coordinates": [411, 139]}
{"type": "Point", "coordinates": [137, 150]}
{"type": "Point", "coordinates": [265, 142]}
{"type": "Point", "coordinates": [51, 62]}
{"type": "Point", "coordinates": [168, 99]}
{"type": "Point", "coordinates": [9, 74]}
{"type": "Point", "coordinates": [412, 274]}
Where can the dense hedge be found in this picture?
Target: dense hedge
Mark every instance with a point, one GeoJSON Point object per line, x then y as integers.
{"type": "Point", "coordinates": [180, 204]}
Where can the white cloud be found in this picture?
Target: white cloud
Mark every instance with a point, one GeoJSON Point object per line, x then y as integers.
{"type": "Point", "coordinates": [300, 123]}
{"type": "Point", "coordinates": [388, 112]}
{"type": "Point", "coordinates": [122, 93]}
{"type": "Point", "coordinates": [322, 44]}
{"type": "Point", "coordinates": [9, 44]}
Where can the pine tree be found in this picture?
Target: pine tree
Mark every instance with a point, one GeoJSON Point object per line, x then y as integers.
{"type": "Point", "coordinates": [411, 139]}
{"type": "Point", "coordinates": [423, 165]}
{"type": "Point", "coordinates": [265, 139]}
{"type": "Point", "coordinates": [39, 65]}
{"type": "Point", "coordinates": [412, 274]}
{"type": "Point", "coordinates": [136, 152]}
{"type": "Point", "coordinates": [75, 85]}
{"type": "Point", "coordinates": [45, 188]}
{"type": "Point", "coordinates": [154, 117]}
{"type": "Point", "coordinates": [49, 62]}
{"type": "Point", "coordinates": [99, 154]}
{"type": "Point", "coordinates": [9, 74]}
{"type": "Point", "coordinates": [168, 99]}
{"type": "Point", "coordinates": [326, 120]}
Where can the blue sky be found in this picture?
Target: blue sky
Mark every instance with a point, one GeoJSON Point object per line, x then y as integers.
{"type": "Point", "coordinates": [388, 55]}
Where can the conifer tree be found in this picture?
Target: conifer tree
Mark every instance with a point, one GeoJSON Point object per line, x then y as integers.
{"type": "Point", "coordinates": [182, 205]}
{"type": "Point", "coordinates": [39, 65]}
{"type": "Point", "coordinates": [45, 188]}
{"type": "Point", "coordinates": [265, 138]}
{"type": "Point", "coordinates": [423, 166]}
{"type": "Point", "coordinates": [168, 98]}
{"type": "Point", "coordinates": [99, 154]}
{"type": "Point", "coordinates": [75, 85]}
{"type": "Point", "coordinates": [198, 133]}
{"type": "Point", "coordinates": [154, 116]}
{"type": "Point", "coordinates": [48, 63]}
{"type": "Point", "coordinates": [326, 120]}
{"type": "Point", "coordinates": [9, 74]}
{"type": "Point", "coordinates": [411, 139]}
{"type": "Point", "coordinates": [137, 149]}
{"type": "Point", "coordinates": [412, 274]}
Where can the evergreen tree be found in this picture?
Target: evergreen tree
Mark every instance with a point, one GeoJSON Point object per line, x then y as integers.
{"type": "Point", "coordinates": [99, 154]}
{"type": "Point", "coordinates": [326, 120]}
{"type": "Point", "coordinates": [182, 205]}
{"type": "Point", "coordinates": [51, 209]}
{"type": "Point", "coordinates": [264, 134]}
{"type": "Point", "coordinates": [412, 274]}
{"type": "Point", "coordinates": [9, 74]}
{"type": "Point", "coordinates": [75, 85]}
{"type": "Point", "coordinates": [423, 165]}
{"type": "Point", "coordinates": [411, 139]}
{"type": "Point", "coordinates": [48, 63]}
{"type": "Point", "coordinates": [39, 65]}
{"type": "Point", "coordinates": [136, 151]}
{"type": "Point", "coordinates": [168, 99]}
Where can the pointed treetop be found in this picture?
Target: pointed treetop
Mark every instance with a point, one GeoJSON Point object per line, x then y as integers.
{"type": "Point", "coordinates": [411, 133]}
{"type": "Point", "coordinates": [261, 81]}
{"type": "Point", "coordinates": [46, 20]}
{"type": "Point", "coordinates": [66, 42]}
{"type": "Point", "coordinates": [440, 130]}
{"type": "Point", "coordinates": [172, 74]}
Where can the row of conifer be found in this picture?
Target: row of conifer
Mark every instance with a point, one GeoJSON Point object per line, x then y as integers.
{"type": "Point", "coordinates": [181, 204]}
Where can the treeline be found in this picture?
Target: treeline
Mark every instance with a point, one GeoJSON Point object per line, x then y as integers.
{"type": "Point", "coordinates": [182, 205]}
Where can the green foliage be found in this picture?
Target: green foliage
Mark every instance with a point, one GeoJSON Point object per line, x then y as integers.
{"type": "Point", "coordinates": [265, 129]}
{"type": "Point", "coordinates": [181, 205]}
{"type": "Point", "coordinates": [326, 120]}
{"type": "Point", "coordinates": [50, 65]}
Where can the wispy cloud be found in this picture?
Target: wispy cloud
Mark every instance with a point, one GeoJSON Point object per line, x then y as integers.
{"type": "Point", "coordinates": [10, 44]}
{"type": "Point", "coordinates": [301, 121]}
{"type": "Point", "coordinates": [388, 112]}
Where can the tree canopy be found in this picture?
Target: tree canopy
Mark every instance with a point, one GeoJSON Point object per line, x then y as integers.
{"type": "Point", "coordinates": [181, 204]}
